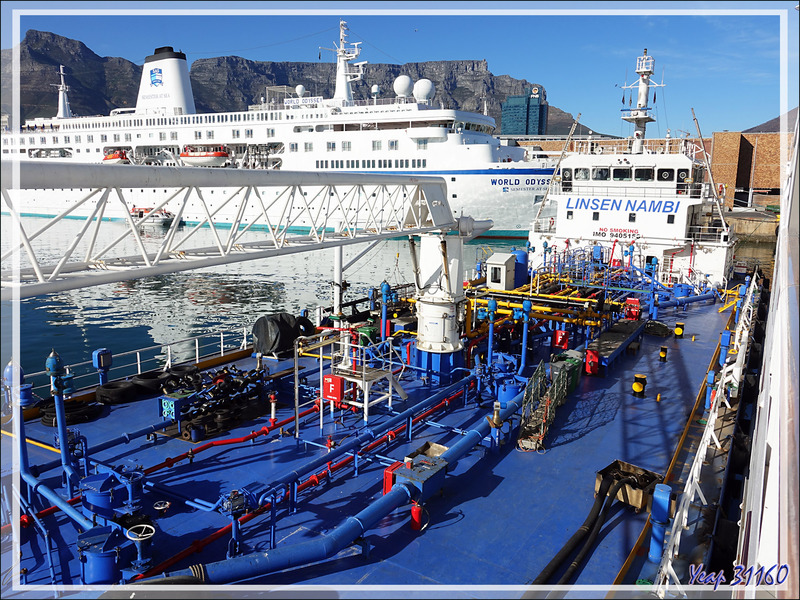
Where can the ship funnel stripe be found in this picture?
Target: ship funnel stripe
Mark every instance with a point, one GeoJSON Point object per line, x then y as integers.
{"type": "Point", "coordinates": [165, 52]}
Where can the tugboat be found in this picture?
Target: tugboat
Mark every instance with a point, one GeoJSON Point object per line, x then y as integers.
{"type": "Point", "coordinates": [654, 201]}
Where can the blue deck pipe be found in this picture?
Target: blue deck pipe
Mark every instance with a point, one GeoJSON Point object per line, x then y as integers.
{"type": "Point", "coordinates": [474, 436]}
{"type": "Point", "coordinates": [659, 519]}
{"type": "Point", "coordinates": [709, 388]}
{"type": "Point", "coordinates": [687, 299]}
{"type": "Point", "coordinates": [724, 345]}
{"type": "Point", "coordinates": [492, 308]}
{"type": "Point", "coordinates": [28, 509]}
{"type": "Point", "coordinates": [327, 545]}
{"type": "Point", "coordinates": [197, 503]}
{"type": "Point", "coordinates": [386, 292]}
{"type": "Point", "coordinates": [123, 439]}
{"type": "Point", "coordinates": [37, 486]}
{"type": "Point", "coordinates": [278, 486]}
{"type": "Point", "coordinates": [526, 310]}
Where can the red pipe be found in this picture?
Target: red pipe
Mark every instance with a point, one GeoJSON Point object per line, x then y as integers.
{"type": "Point", "coordinates": [313, 479]}
{"type": "Point", "coordinates": [263, 431]}
{"type": "Point", "coordinates": [171, 461]}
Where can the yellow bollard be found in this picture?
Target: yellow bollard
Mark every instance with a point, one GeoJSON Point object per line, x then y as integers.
{"type": "Point", "coordinates": [639, 383]}
{"type": "Point", "coordinates": [679, 330]}
{"type": "Point", "coordinates": [658, 398]}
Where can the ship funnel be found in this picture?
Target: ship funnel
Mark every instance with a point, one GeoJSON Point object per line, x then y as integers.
{"type": "Point", "coordinates": [165, 88]}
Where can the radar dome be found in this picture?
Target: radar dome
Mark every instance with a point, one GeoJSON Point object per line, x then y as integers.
{"type": "Point", "coordinates": [403, 86]}
{"type": "Point", "coordinates": [375, 90]}
{"type": "Point", "coordinates": [300, 91]}
{"type": "Point", "coordinates": [424, 90]}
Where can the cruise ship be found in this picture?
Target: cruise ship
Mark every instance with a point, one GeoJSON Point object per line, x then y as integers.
{"type": "Point", "coordinates": [289, 130]}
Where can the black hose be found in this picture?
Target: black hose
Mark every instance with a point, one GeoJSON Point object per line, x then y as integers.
{"type": "Point", "coordinates": [598, 525]}
{"type": "Point", "coordinates": [567, 549]}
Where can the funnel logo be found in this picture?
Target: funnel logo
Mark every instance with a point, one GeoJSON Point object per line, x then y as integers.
{"type": "Point", "coordinates": [155, 77]}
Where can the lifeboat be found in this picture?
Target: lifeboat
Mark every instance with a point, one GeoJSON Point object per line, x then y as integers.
{"type": "Point", "coordinates": [158, 217]}
{"type": "Point", "coordinates": [116, 157]}
{"type": "Point", "coordinates": [215, 156]}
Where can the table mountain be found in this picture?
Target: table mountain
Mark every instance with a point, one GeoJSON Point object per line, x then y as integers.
{"type": "Point", "coordinates": [231, 83]}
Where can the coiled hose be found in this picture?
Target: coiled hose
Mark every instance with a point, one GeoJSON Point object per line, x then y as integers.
{"type": "Point", "coordinates": [573, 542]}
{"type": "Point", "coordinates": [612, 496]}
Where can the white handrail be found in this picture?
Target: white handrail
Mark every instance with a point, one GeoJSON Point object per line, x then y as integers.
{"type": "Point", "coordinates": [727, 377]}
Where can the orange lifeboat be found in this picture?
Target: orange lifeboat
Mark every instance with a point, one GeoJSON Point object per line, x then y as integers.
{"type": "Point", "coordinates": [205, 156]}
{"type": "Point", "coordinates": [116, 157]}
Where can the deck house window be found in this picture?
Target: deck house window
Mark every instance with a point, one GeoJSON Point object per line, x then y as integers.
{"type": "Point", "coordinates": [670, 219]}
{"type": "Point", "coordinates": [595, 216]}
{"type": "Point", "coordinates": [248, 133]}
{"type": "Point", "coordinates": [569, 215]}
{"type": "Point", "coordinates": [309, 147]}
{"type": "Point", "coordinates": [422, 144]}
{"type": "Point", "coordinates": [293, 147]}
{"type": "Point", "coordinates": [392, 144]}
{"type": "Point", "coordinates": [331, 146]}
{"type": "Point", "coordinates": [643, 174]}
{"type": "Point", "coordinates": [622, 174]}
{"type": "Point", "coordinates": [600, 173]}
{"type": "Point", "coordinates": [631, 217]}
{"type": "Point", "coordinates": [376, 145]}
{"type": "Point", "coordinates": [666, 174]}
{"type": "Point", "coordinates": [581, 174]}
{"type": "Point", "coordinates": [198, 135]}
{"type": "Point", "coordinates": [347, 146]}
{"type": "Point", "coordinates": [210, 134]}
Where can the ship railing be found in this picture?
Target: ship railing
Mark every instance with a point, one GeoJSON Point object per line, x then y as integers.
{"type": "Point", "coordinates": [374, 366]}
{"type": "Point", "coordinates": [151, 358]}
{"type": "Point", "coordinates": [591, 145]}
{"type": "Point", "coordinates": [709, 233]}
{"type": "Point", "coordinates": [635, 190]}
{"type": "Point", "coordinates": [727, 383]}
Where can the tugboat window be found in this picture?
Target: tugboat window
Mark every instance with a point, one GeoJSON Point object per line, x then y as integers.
{"type": "Point", "coordinates": [631, 217]}
{"type": "Point", "coordinates": [600, 174]}
{"type": "Point", "coordinates": [569, 214]}
{"type": "Point", "coordinates": [666, 174]}
{"type": "Point", "coordinates": [595, 216]}
{"type": "Point", "coordinates": [670, 218]}
{"type": "Point", "coordinates": [622, 174]}
{"type": "Point", "coordinates": [581, 174]}
{"type": "Point", "coordinates": [643, 174]}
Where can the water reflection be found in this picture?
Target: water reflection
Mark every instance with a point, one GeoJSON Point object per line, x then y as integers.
{"type": "Point", "coordinates": [162, 309]}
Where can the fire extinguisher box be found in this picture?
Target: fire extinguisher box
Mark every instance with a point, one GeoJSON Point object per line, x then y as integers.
{"type": "Point", "coordinates": [332, 387]}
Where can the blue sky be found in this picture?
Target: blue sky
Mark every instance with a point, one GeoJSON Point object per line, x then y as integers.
{"type": "Point", "coordinates": [735, 63]}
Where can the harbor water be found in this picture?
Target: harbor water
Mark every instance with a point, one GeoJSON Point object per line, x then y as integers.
{"type": "Point", "coordinates": [161, 310]}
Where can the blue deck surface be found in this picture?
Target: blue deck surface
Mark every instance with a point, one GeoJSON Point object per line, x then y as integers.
{"type": "Point", "coordinates": [499, 519]}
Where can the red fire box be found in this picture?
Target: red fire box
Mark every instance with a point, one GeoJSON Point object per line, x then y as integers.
{"type": "Point", "coordinates": [332, 387]}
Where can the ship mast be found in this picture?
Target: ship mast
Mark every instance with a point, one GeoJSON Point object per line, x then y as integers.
{"type": "Point", "coordinates": [64, 111]}
{"type": "Point", "coordinates": [640, 115]}
{"type": "Point", "coordinates": [344, 75]}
